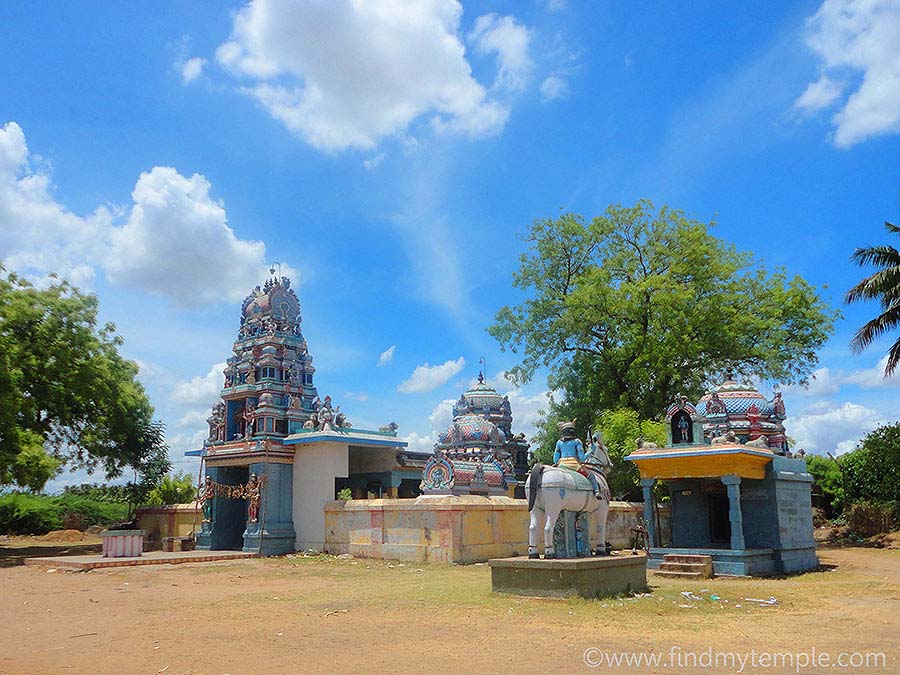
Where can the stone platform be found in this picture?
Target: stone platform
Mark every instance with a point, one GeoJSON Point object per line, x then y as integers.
{"type": "Point", "coordinates": [593, 577]}
{"type": "Point", "coordinates": [82, 563]}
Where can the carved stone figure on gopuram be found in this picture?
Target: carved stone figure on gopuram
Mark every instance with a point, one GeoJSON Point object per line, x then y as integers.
{"type": "Point", "coordinates": [268, 388]}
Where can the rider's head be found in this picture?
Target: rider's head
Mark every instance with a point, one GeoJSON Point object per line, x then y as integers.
{"type": "Point", "coordinates": [566, 429]}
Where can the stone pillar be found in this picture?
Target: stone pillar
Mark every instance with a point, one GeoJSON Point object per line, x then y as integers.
{"type": "Point", "coordinates": [733, 485]}
{"type": "Point", "coordinates": [647, 486]}
{"type": "Point", "coordinates": [273, 533]}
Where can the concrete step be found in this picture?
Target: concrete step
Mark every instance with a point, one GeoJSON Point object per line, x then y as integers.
{"type": "Point", "coordinates": [678, 575]}
{"type": "Point", "coordinates": [687, 558]}
{"type": "Point", "coordinates": [683, 567]}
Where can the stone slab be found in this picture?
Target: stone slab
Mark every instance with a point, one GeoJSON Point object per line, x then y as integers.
{"type": "Point", "coordinates": [593, 577]}
{"type": "Point", "coordinates": [83, 563]}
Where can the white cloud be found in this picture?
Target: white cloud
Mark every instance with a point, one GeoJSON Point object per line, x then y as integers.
{"type": "Point", "coordinates": [425, 377]}
{"type": "Point", "coordinates": [37, 234]}
{"type": "Point", "coordinates": [194, 418]}
{"type": "Point", "coordinates": [509, 40]}
{"type": "Point", "coordinates": [360, 396]}
{"type": "Point", "coordinates": [863, 37]}
{"type": "Point", "coordinates": [553, 87]}
{"type": "Point", "coordinates": [819, 94]}
{"type": "Point", "coordinates": [176, 242]}
{"type": "Point", "coordinates": [873, 378]}
{"type": "Point", "coordinates": [387, 356]}
{"type": "Point", "coordinates": [192, 69]}
{"type": "Point", "coordinates": [202, 390]}
{"type": "Point", "coordinates": [174, 239]}
{"type": "Point", "coordinates": [373, 162]}
{"type": "Point", "coordinates": [829, 427]}
{"type": "Point", "coordinates": [348, 74]}
{"type": "Point", "coordinates": [821, 383]}
{"type": "Point", "coordinates": [441, 416]}
{"type": "Point", "coordinates": [419, 443]}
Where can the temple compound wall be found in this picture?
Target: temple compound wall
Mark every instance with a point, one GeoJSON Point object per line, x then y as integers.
{"type": "Point", "coordinates": [452, 529]}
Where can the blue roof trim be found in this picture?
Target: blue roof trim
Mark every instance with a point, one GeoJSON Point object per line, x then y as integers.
{"type": "Point", "coordinates": [350, 439]}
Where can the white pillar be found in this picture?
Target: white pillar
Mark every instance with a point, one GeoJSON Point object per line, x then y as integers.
{"type": "Point", "coordinates": [316, 465]}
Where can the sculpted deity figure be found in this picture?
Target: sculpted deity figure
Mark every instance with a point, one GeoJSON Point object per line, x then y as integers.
{"type": "Point", "coordinates": [249, 418]}
{"type": "Point", "coordinates": [683, 427]}
{"type": "Point", "coordinates": [295, 402]}
{"type": "Point", "coordinates": [252, 493]}
{"type": "Point", "coordinates": [205, 496]}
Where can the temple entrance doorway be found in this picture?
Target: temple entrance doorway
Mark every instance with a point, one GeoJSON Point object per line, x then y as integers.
{"type": "Point", "coordinates": [231, 514]}
{"type": "Point", "coordinates": [719, 523]}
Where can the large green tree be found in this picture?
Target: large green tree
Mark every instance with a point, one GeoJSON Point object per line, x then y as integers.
{"type": "Point", "coordinates": [66, 394]}
{"type": "Point", "coordinates": [884, 286]}
{"type": "Point", "coordinates": [640, 304]}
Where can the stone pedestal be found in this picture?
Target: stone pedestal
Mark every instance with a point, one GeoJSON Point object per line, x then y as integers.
{"type": "Point", "coordinates": [122, 543]}
{"type": "Point", "coordinates": [587, 577]}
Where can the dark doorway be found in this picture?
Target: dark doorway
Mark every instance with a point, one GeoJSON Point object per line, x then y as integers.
{"type": "Point", "coordinates": [682, 428]}
{"type": "Point", "coordinates": [719, 523]}
{"type": "Point", "coordinates": [408, 488]}
{"type": "Point", "coordinates": [230, 517]}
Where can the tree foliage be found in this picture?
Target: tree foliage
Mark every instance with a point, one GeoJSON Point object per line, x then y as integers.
{"type": "Point", "coordinates": [884, 286]}
{"type": "Point", "coordinates": [871, 471]}
{"type": "Point", "coordinates": [641, 304]}
{"type": "Point", "coordinates": [620, 428]}
{"type": "Point", "coordinates": [830, 482]}
{"type": "Point", "coordinates": [66, 394]}
{"type": "Point", "coordinates": [173, 489]}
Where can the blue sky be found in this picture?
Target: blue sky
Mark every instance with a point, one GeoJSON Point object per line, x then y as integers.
{"type": "Point", "coordinates": [388, 155]}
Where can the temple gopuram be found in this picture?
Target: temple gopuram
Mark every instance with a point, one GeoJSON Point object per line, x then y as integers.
{"type": "Point", "coordinates": [276, 451]}
{"type": "Point", "coordinates": [478, 454]}
{"type": "Point", "coordinates": [739, 501]}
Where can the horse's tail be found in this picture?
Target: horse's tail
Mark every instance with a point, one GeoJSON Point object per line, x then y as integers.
{"type": "Point", "coordinates": [534, 485]}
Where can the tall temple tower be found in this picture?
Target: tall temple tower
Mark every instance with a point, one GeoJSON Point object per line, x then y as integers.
{"type": "Point", "coordinates": [276, 453]}
{"type": "Point", "coordinates": [269, 391]}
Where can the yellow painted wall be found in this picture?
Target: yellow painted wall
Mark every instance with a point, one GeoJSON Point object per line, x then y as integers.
{"type": "Point", "coordinates": [174, 520]}
{"type": "Point", "coordinates": [449, 529]}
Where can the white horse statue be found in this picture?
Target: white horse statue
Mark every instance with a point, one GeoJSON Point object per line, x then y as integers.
{"type": "Point", "coordinates": [559, 489]}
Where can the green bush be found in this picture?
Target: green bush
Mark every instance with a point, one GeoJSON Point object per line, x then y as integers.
{"type": "Point", "coordinates": [22, 513]}
{"type": "Point", "coordinates": [29, 514]}
{"type": "Point", "coordinates": [870, 471]}
{"type": "Point", "coordinates": [177, 489]}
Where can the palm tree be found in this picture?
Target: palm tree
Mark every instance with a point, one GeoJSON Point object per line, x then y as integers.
{"type": "Point", "coordinates": [883, 285]}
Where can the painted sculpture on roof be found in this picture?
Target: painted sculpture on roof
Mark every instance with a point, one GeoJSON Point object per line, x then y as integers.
{"type": "Point", "coordinates": [740, 409]}
{"type": "Point", "coordinates": [577, 483]}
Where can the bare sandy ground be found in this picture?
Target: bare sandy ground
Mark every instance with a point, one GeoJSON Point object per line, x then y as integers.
{"type": "Point", "coordinates": [322, 615]}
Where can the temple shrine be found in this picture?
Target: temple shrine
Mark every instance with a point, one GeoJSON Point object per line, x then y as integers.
{"type": "Point", "coordinates": [478, 454]}
{"type": "Point", "coordinates": [737, 498]}
{"type": "Point", "coordinates": [276, 451]}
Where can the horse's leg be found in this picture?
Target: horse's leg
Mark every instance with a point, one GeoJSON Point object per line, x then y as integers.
{"type": "Point", "coordinates": [602, 514]}
{"type": "Point", "coordinates": [552, 511]}
{"type": "Point", "coordinates": [535, 519]}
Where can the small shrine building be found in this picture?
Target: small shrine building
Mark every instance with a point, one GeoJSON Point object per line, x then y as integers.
{"type": "Point", "coordinates": [478, 454]}
{"type": "Point", "coordinates": [276, 452]}
{"type": "Point", "coordinates": [736, 494]}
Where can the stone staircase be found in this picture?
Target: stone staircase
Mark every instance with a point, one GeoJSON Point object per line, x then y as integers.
{"type": "Point", "coordinates": [684, 566]}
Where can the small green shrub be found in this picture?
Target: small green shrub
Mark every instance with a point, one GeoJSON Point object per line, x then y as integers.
{"type": "Point", "coordinates": [22, 513]}
{"type": "Point", "coordinates": [177, 489]}
{"type": "Point", "coordinates": [345, 494]}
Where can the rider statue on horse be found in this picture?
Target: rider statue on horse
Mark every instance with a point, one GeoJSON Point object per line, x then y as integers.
{"type": "Point", "coordinates": [570, 454]}
{"type": "Point", "coordinates": [577, 482]}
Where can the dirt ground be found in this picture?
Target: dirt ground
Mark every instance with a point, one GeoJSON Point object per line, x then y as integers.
{"type": "Point", "coordinates": [321, 614]}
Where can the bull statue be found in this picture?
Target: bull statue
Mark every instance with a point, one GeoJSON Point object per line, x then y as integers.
{"type": "Point", "coordinates": [758, 442]}
{"type": "Point", "coordinates": [577, 483]}
{"type": "Point", "coordinates": [642, 444]}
